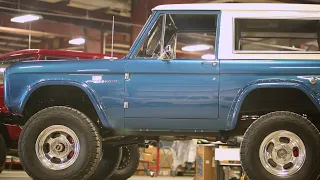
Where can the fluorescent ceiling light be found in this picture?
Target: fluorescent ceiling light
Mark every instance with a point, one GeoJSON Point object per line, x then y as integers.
{"type": "Point", "coordinates": [2, 70]}
{"type": "Point", "coordinates": [25, 18]}
{"type": "Point", "coordinates": [192, 48]}
{"type": "Point", "coordinates": [77, 41]}
{"type": "Point", "coordinates": [208, 56]}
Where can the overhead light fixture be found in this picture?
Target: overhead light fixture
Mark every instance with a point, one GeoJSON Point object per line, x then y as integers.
{"type": "Point", "coordinates": [208, 56]}
{"type": "Point", "coordinates": [77, 41]}
{"type": "Point", "coordinates": [192, 48]}
{"type": "Point", "coordinates": [26, 18]}
{"type": "Point", "coordinates": [2, 70]}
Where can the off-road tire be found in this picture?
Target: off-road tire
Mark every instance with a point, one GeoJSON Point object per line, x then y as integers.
{"type": "Point", "coordinates": [3, 153]}
{"type": "Point", "coordinates": [90, 152]}
{"type": "Point", "coordinates": [109, 163]}
{"type": "Point", "coordinates": [129, 163]}
{"type": "Point", "coordinates": [273, 122]}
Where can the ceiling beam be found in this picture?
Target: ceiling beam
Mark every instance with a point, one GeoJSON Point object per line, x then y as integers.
{"type": "Point", "coordinates": [21, 37]}
{"type": "Point", "coordinates": [63, 9]}
{"type": "Point", "coordinates": [6, 49]}
{"type": "Point", "coordinates": [18, 39]}
{"type": "Point", "coordinates": [62, 3]}
{"type": "Point", "coordinates": [20, 43]}
{"type": "Point", "coordinates": [17, 45]}
{"type": "Point", "coordinates": [27, 32]}
{"type": "Point", "coordinates": [82, 21]}
{"type": "Point", "coordinates": [13, 44]}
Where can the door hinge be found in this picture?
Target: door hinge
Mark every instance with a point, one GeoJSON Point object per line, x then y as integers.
{"type": "Point", "coordinates": [126, 76]}
{"type": "Point", "coordinates": [126, 105]}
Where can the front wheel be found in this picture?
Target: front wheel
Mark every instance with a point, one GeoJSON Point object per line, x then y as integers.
{"type": "Point", "coordinates": [281, 146]}
{"type": "Point", "coordinates": [60, 143]}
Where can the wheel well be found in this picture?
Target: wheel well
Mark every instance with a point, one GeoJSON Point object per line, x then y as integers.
{"type": "Point", "coordinates": [265, 100]}
{"type": "Point", "coordinates": [60, 95]}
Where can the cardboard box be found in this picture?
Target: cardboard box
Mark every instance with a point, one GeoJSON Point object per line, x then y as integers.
{"type": "Point", "coordinates": [140, 167]}
{"type": "Point", "coordinates": [164, 172]}
{"type": "Point", "coordinates": [151, 150]}
{"type": "Point", "coordinates": [147, 157]}
{"type": "Point", "coordinates": [204, 163]}
{"type": "Point", "coordinates": [140, 173]}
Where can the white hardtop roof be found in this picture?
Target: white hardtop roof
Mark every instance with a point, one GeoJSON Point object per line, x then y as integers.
{"type": "Point", "coordinates": [242, 7]}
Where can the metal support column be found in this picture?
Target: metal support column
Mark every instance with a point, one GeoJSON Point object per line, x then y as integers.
{"type": "Point", "coordinates": [85, 46]}
{"type": "Point", "coordinates": [103, 41]}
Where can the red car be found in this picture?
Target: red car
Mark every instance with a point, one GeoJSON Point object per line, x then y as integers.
{"type": "Point", "coordinates": [10, 133]}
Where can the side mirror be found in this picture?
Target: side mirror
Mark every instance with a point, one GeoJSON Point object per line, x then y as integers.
{"type": "Point", "coordinates": [167, 53]}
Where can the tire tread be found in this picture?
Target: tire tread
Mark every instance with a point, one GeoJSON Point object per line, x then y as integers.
{"type": "Point", "coordinates": [127, 172]}
{"type": "Point", "coordinates": [264, 120]}
{"type": "Point", "coordinates": [90, 165]}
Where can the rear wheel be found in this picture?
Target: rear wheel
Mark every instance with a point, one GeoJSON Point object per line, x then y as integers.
{"type": "Point", "coordinates": [59, 143]}
{"type": "Point", "coordinates": [109, 163]}
{"type": "Point", "coordinates": [129, 163]}
{"type": "Point", "coordinates": [279, 146]}
{"type": "Point", "coordinates": [3, 152]}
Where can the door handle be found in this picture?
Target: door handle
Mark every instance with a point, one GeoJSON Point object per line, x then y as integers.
{"type": "Point", "coordinates": [214, 63]}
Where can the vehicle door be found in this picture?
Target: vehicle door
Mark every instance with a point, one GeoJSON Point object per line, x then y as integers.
{"type": "Point", "coordinates": [172, 78]}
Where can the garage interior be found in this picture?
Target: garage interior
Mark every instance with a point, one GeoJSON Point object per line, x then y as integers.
{"type": "Point", "coordinates": [64, 20]}
{"type": "Point", "coordinates": [107, 27]}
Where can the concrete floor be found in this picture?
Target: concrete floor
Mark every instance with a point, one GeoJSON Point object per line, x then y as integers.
{"type": "Point", "coordinates": [21, 175]}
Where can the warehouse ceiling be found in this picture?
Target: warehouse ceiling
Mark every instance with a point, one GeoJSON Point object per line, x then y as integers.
{"type": "Point", "coordinates": [91, 13]}
{"type": "Point", "coordinates": [116, 7]}
{"type": "Point", "coordinates": [94, 14]}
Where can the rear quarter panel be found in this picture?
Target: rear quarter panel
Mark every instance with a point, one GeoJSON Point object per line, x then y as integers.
{"type": "Point", "coordinates": [239, 77]}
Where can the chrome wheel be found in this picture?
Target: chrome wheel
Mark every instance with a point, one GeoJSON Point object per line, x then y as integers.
{"type": "Point", "coordinates": [282, 153]}
{"type": "Point", "coordinates": [57, 147]}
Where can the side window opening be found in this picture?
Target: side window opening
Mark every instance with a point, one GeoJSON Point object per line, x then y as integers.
{"type": "Point", "coordinates": [277, 35]}
{"type": "Point", "coordinates": [181, 36]}
{"type": "Point", "coordinates": [152, 43]}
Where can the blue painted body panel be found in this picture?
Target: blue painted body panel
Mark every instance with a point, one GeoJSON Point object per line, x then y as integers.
{"type": "Point", "coordinates": [181, 95]}
{"type": "Point", "coordinates": [102, 80]}
{"type": "Point", "coordinates": [159, 91]}
{"type": "Point", "coordinates": [239, 77]}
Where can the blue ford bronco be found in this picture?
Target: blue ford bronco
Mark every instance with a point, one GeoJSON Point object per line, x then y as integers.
{"type": "Point", "coordinates": [195, 70]}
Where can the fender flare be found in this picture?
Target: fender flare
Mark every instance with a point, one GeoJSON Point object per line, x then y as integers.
{"type": "Point", "coordinates": [83, 86]}
{"type": "Point", "coordinates": [234, 111]}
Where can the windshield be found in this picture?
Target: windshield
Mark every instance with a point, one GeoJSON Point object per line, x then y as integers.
{"type": "Point", "coordinates": [151, 47]}
{"type": "Point", "coordinates": [153, 43]}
